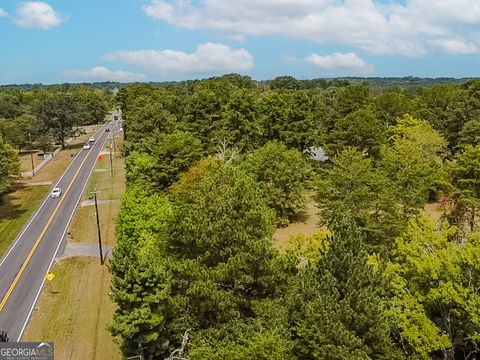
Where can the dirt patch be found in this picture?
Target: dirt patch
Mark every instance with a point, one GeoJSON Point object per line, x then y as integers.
{"type": "Point", "coordinates": [308, 225]}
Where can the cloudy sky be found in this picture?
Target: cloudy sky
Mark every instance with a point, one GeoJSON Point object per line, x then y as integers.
{"type": "Point", "coordinates": [158, 40]}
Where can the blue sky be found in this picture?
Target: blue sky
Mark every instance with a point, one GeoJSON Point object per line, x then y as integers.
{"type": "Point", "coordinates": [157, 40]}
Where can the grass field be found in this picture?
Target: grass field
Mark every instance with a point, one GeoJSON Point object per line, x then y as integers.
{"type": "Point", "coordinates": [15, 210]}
{"type": "Point", "coordinates": [84, 228]}
{"type": "Point", "coordinates": [75, 310]}
{"type": "Point", "coordinates": [108, 187]}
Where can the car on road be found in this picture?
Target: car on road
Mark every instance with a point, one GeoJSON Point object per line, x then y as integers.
{"type": "Point", "coordinates": [107, 129]}
{"type": "Point", "coordinates": [92, 139]}
{"type": "Point", "coordinates": [56, 192]}
{"type": "Point", "coordinates": [86, 146]}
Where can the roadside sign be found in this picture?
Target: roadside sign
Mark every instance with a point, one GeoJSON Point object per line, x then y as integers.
{"type": "Point", "coordinates": [49, 276]}
{"type": "Point", "coordinates": [100, 158]}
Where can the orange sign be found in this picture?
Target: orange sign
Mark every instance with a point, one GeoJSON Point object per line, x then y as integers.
{"type": "Point", "coordinates": [100, 158]}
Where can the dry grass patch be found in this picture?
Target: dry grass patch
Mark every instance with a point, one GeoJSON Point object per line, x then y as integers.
{"type": "Point", "coordinates": [307, 226]}
{"type": "Point", "coordinates": [26, 160]}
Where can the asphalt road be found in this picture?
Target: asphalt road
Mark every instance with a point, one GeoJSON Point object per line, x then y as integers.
{"type": "Point", "coordinates": [29, 258]}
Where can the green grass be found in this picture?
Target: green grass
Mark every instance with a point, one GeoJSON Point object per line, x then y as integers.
{"type": "Point", "coordinates": [74, 310]}
{"type": "Point", "coordinates": [108, 187]}
{"type": "Point", "coordinates": [15, 210]}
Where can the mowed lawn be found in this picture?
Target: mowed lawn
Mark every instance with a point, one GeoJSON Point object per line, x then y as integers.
{"type": "Point", "coordinates": [74, 310]}
{"type": "Point", "coordinates": [15, 210]}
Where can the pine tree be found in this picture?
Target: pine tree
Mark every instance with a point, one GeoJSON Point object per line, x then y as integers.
{"type": "Point", "coordinates": [337, 305]}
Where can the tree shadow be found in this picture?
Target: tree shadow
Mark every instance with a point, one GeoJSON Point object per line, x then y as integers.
{"type": "Point", "coordinates": [301, 217]}
{"type": "Point", "coordinates": [74, 146]}
{"type": "Point", "coordinates": [10, 208]}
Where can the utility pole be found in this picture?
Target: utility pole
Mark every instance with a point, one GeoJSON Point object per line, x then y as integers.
{"type": "Point", "coordinates": [31, 153]}
{"type": "Point", "coordinates": [98, 226]}
{"type": "Point", "coordinates": [111, 160]}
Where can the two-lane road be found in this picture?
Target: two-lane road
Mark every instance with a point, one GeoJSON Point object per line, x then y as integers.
{"type": "Point", "coordinates": [29, 258]}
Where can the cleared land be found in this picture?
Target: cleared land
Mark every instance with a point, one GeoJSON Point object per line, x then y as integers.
{"type": "Point", "coordinates": [307, 225]}
{"type": "Point", "coordinates": [26, 160]}
{"type": "Point", "coordinates": [74, 310]}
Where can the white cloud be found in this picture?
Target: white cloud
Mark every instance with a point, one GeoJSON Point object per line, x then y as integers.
{"type": "Point", "coordinates": [101, 73]}
{"type": "Point", "coordinates": [208, 58]}
{"type": "Point", "coordinates": [456, 46]}
{"type": "Point", "coordinates": [38, 15]}
{"type": "Point", "coordinates": [348, 64]}
{"type": "Point", "coordinates": [2, 13]}
{"type": "Point", "coordinates": [407, 27]}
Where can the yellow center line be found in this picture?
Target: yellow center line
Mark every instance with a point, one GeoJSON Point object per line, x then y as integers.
{"type": "Point", "coordinates": [40, 238]}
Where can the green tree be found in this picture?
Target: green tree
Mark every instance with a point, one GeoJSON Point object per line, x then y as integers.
{"type": "Point", "coordinates": [413, 162]}
{"type": "Point", "coordinates": [391, 105]}
{"type": "Point", "coordinates": [241, 122]}
{"type": "Point", "coordinates": [146, 116]}
{"type": "Point", "coordinates": [204, 268]}
{"type": "Point", "coordinates": [283, 174]}
{"type": "Point", "coordinates": [361, 130]}
{"type": "Point", "coordinates": [470, 134]}
{"type": "Point", "coordinates": [445, 108]}
{"type": "Point", "coordinates": [59, 113]}
{"type": "Point", "coordinates": [9, 166]}
{"type": "Point", "coordinates": [354, 187]}
{"type": "Point", "coordinates": [11, 104]}
{"type": "Point", "coordinates": [25, 132]}
{"type": "Point", "coordinates": [138, 280]}
{"type": "Point", "coordinates": [166, 157]}
{"type": "Point", "coordinates": [435, 304]}
{"type": "Point", "coordinates": [288, 118]}
{"type": "Point", "coordinates": [285, 83]}
{"type": "Point", "coordinates": [243, 340]}
{"type": "Point", "coordinates": [93, 106]}
{"type": "Point", "coordinates": [338, 306]}
{"type": "Point", "coordinates": [351, 98]}
{"type": "Point", "coordinates": [465, 178]}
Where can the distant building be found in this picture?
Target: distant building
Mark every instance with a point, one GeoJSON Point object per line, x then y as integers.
{"type": "Point", "coordinates": [317, 153]}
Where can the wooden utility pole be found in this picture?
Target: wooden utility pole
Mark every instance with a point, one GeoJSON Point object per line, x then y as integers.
{"type": "Point", "coordinates": [31, 153]}
{"type": "Point", "coordinates": [98, 227]}
{"type": "Point", "coordinates": [111, 159]}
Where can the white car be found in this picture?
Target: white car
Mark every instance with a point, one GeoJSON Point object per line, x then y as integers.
{"type": "Point", "coordinates": [86, 146]}
{"type": "Point", "coordinates": [92, 139]}
{"type": "Point", "coordinates": [56, 192]}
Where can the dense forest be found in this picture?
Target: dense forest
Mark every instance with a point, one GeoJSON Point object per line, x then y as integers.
{"type": "Point", "coordinates": [39, 118]}
{"type": "Point", "coordinates": [215, 166]}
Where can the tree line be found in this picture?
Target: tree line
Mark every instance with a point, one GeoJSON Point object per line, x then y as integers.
{"type": "Point", "coordinates": [215, 166]}
{"type": "Point", "coordinates": [38, 118]}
